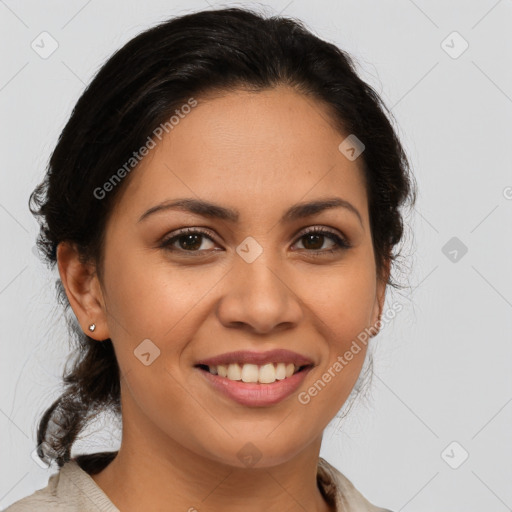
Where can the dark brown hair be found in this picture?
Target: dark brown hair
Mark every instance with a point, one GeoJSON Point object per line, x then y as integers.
{"type": "Point", "coordinates": [138, 89]}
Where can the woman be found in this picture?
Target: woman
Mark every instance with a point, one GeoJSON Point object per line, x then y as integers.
{"type": "Point", "coordinates": [222, 207]}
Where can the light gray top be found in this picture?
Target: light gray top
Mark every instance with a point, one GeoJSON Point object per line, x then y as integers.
{"type": "Point", "coordinates": [71, 489]}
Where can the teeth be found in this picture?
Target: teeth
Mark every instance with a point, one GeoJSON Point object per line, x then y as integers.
{"type": "Point", "coordinates": [280, 371]}
{"type": "Point", "coordinates": [250, 373]}
{"type": "Point", "coordinates": [234, 372]}
{"type": "Point", "coordinates": [265, 374]}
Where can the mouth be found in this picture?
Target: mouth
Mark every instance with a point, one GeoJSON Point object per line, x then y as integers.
{"type": "Point", "coordinates": [252, 373]}
{"type": "Point", "coordinates": [255, 379]}
{"type": "Point", "coordinates": [252, 386]}
{"type": "Point", "coordinates": [256, 367]}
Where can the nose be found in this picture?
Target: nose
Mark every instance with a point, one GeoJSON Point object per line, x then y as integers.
{"type": "Point", "coordinates": [259, 297]}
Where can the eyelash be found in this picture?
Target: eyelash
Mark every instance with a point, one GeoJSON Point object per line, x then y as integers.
{"type": "Point", "coordinates": [341, 243]}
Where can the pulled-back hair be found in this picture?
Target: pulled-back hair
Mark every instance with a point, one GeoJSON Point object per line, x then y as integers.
{"type": "Point", "coordinates": [138, 89]}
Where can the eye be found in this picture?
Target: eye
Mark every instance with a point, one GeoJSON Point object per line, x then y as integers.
{"type": "Point", "coordinates": [190, 240]}
{"type": "Point", "coordinates": [314, 240]}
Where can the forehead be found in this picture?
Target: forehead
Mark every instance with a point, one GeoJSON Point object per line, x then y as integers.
{"type": "Point", "coordinates": [257, 150]}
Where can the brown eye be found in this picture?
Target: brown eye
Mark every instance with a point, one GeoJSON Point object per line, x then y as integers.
{"type": "Point", "coordinates": [190, 240]}
{"type": "Point", "coordinates": [314, 239]}
{"type": "Point", "coordinates": [187, 240]}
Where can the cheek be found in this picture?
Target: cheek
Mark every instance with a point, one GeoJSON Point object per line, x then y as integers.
{"type": "Point", "coordinates": [342, 298]}
{"type": "Point", "coordinates": [341, 303]}
{"type": "Point", "coordinates": [154, 299]}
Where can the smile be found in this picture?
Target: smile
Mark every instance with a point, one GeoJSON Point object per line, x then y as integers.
{"type": "Point", "coordinates": [264, 374]}
{"type": "Point", "coordinates": [255, 394]}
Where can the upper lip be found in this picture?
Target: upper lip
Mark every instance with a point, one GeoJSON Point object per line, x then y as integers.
{"type": "Point", "coordinates": [258, 358]}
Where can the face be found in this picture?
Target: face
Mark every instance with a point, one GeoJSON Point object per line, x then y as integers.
{"type": "Point", "coordinates": [252, 280]}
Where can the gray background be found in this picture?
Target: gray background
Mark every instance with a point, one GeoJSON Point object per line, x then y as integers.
{"type": "Point", "coordinates": [443, 366]}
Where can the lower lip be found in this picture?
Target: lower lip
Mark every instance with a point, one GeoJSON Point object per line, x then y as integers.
{"type": "Point", "coordinates": [254, 394]}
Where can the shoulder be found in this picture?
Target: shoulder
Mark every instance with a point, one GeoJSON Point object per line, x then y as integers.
{"type": "Point", "coordinates": [71, 489]}
{"type": "Point", "coordinates": [343, 491]}
{"type": "Point", "coordinates": [43, 500]}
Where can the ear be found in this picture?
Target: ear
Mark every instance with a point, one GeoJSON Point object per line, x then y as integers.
{"type": "Point", "coordinates": [83, 291]}
{"type": "Point", "coordinates": [380, 296]}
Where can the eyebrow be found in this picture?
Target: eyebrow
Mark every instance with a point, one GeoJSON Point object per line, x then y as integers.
{"type": "Point", "coordinates": [212, 210]}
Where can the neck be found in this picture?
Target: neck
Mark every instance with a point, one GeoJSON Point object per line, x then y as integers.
{"type": "Point", "coordinates": [153, 469]}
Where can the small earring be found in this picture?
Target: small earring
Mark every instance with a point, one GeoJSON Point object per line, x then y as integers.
{"type": "Point", "coordinates": [92, 327]}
